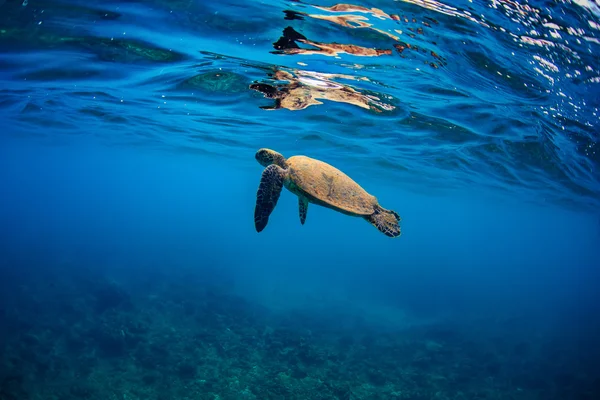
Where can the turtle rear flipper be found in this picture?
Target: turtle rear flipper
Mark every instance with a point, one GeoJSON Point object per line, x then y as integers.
{"type": "Point", "coordinates": [303, 208]}
{"type": "Point", "coordinates": [387, 221]}
{"type": "Point", "coordinates": [267, 195]}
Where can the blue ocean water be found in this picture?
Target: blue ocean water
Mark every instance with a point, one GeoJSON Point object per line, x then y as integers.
{"type": "Point", "coordinates": [129, 262]}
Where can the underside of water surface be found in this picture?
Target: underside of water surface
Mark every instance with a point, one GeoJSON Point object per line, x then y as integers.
{"type": "Point", "coordinates": [495, 94]}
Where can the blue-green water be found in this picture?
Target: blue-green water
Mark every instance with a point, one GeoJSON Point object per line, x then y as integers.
{"type": "Point", "coordinates": [130, 267]}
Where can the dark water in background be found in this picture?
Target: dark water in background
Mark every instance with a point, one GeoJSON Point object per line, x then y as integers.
{"type": "Point", "coordinates": [129, 262]}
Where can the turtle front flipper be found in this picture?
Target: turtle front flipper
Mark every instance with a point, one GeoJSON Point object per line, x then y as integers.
{"type": "Point", "coordinates": [387, 221]}
{"type": "Point", "coordinates": [267, 195]}
{"type": "Point", "coordinates": [303, 206]}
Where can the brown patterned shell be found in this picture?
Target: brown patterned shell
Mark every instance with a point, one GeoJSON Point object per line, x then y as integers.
{"type": "Point", "coordinates": [329, 185]}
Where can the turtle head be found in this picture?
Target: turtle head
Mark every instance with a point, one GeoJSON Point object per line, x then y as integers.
{"type": "Point", "coordinates": [266, 157]}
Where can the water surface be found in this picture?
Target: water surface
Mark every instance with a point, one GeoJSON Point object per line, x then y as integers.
{"type": "Point", "coordinates": [494, 94]}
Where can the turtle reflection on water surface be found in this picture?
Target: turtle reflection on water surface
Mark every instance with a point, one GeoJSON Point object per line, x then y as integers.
{"type": "Point", "coordinates": [304, 89]}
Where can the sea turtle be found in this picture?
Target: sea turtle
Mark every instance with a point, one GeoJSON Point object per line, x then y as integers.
{"type": "Point", "coordinates": [317, 182]}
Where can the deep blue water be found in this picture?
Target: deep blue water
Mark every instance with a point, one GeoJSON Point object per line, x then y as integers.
{"type": "Point", "coordinates": [130, 265]}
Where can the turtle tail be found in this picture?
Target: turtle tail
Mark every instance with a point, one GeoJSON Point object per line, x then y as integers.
{"type": "Point", "coordinates": [387, 221]}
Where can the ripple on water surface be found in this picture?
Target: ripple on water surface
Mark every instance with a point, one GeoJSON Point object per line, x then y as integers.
{"type": "Point", "coordinates": [498, 93]}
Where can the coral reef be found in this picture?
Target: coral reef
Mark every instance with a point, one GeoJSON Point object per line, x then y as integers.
{"type": "Point", "coordinates": [72, 336]}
